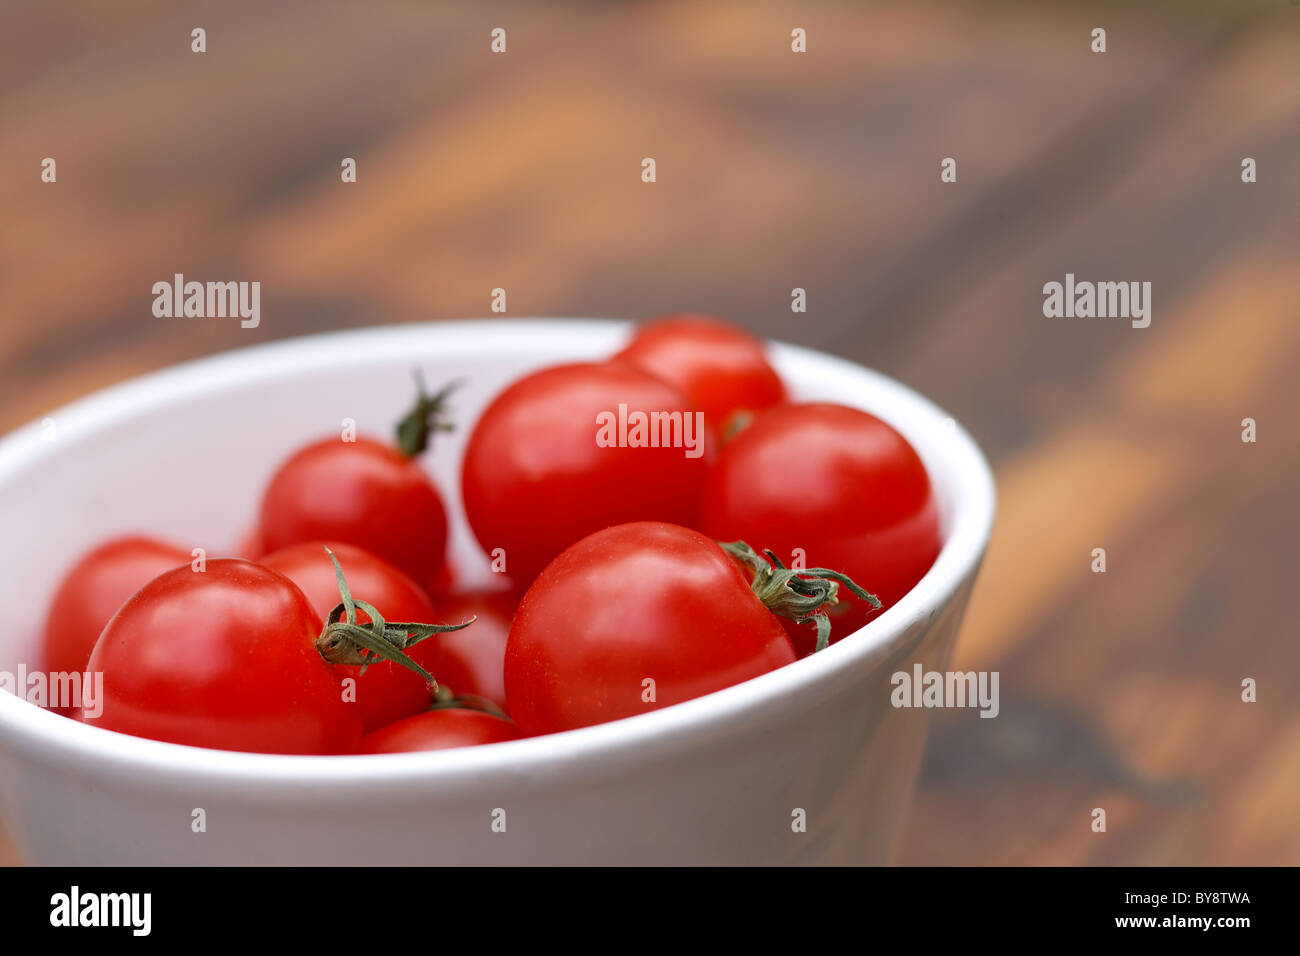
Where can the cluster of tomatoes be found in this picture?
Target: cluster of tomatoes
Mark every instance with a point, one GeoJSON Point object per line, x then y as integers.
{"type": "Point", "coordinates": [627, 580]}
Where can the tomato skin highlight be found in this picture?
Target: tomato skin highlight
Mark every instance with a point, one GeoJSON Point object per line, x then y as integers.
{"type": "Point", "coordinates": [224, 658]}
{"type": "Point", "coordinates": [841, 485]}
{"type": "Point", "coordinates": [440, 729]}
{"type": "Point", "coordinates": [386, 691]}
{"type": "Point", "coordinates": [92, 591]}
{"type": "Point", "coordinates": [636, 601]}
{"type": "Point", "coordinates": [364, 493]}
{"type": "Point", "coordinates": [535, 480]}
{"type": "Point", "coordinates": [721, 368]}
{"type": "Point", "coordinates": [472, 661]}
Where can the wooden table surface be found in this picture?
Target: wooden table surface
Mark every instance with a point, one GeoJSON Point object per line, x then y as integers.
{"type": "Point", "coordinates": [776, 170]}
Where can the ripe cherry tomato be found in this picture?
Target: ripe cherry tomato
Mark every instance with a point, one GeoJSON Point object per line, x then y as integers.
{"type": "Point", "coordinates": [386, 691]}
{"type": "Point", "coordinates": [94, 589]}
{"type": "Point", "coordinates": [539, 472]}
{"type": "Point", "coordinates": [223, 658]}
{"type": "Point", "coordinates": [638, 602]}
{"type": "Point", "coordinates": [365, 493]}
{"type": "Point", "coordinates": [440, 729]}
{"type": "Point", "coordinates": [837, 483]}
{"type": "Point", "coordinates": [721, 368]}
{"type": "Point", "coordinates": [471, 661]}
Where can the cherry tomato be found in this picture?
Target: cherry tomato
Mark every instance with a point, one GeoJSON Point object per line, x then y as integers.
{"type": "Point", "coordinates": [94, 589]}
{"type": "Point", "coordinates": [472, 661]}
{"type": "Point", "coordinates": [223, 658]}
{"type": "Point", "coordinates": [838, 484]}
{"type": "Point", "coordinates": [721, 368]}
{"type": "Point", "coordinates": [386, 691]}
{"type": "Point", "coordinates": [365, 493]}
{"type": "Point", "coordinates": [550, 461]}
{"type": "Point", "coordinates": [440, 729]}
{"type": "Point", "coordinates": [639, 602]}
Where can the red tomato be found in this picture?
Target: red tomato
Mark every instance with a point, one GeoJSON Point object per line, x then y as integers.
{"type": "Point", "coordinates": [223, 658]}
{"type": "Point", "coordinates": [721, 368]}
{"type": "Point", "coordinates": [837, 483]}
{"type": "Point", "coordinates": [549, 463]}
{"type": "Point", "coordinates": [444, 580]}
{"type": "Point", "coordinates": [365, 493]}
{"type": "Point", "coordinates": [386, 691]}
{"type": "Point", "coordinates": [94, 589]}
{"type": "Point", "coordinates": [472, 661]}
{"type": "Point", "coordinates": [440, 729]}
{"type": "Point", "coordinates": [637, 602]}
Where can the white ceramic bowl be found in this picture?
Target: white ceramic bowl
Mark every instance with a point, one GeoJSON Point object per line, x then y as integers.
{"type": "Point", "coordinates": [184, 453]}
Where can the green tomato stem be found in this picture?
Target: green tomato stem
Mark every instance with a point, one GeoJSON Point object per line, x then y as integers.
{"type": "Point", "coordinates": [444, 699]}
{"type": "Point", "coordinates": [344, 641]}
{"type": "Point", "coordinates": [797, 594]}
{"type": "Point", "coordinates": [418, 425]}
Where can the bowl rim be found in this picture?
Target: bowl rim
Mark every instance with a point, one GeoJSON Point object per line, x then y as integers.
{"type": "Point", "coordinates": [53, 739]}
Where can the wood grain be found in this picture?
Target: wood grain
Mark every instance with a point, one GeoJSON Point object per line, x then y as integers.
{"type": "Point", "coordinates": [820, 171]}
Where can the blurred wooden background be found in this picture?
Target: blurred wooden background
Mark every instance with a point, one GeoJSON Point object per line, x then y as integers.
{"type": "Point", "coordinates": [776, 170]}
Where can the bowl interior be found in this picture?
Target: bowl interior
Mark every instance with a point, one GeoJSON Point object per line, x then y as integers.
{"type": "Point", "coordinates": [184, 453]}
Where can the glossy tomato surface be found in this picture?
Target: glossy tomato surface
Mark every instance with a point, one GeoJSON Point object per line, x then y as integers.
{"type": "Point", "coordinates": [641, 602]}
{"type": "Point", "coordinates": [92, 591]}
{"type": "Point", "coordinates": [536, 477]}
{"type": "Point", "coordinates": [720, 367]}
{"type": "Point", "coordinates": [223, 658]}
{"type": "Point", "coordinates": [364, 493]}
{"type": "Point", "coordinates": [386, 691]}
{"type": "Point", "coordinates": [835, 485]}
{"type": "Point", "coordinates": [440, 729]}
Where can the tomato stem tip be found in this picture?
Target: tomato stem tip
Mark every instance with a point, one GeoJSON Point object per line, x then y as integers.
{"type": "Point", "coordinates": [343, 641]}
{"type": "Point", "coordinates": [424, 418]}
{"type": "Point", "coordinates": [797, 594]}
